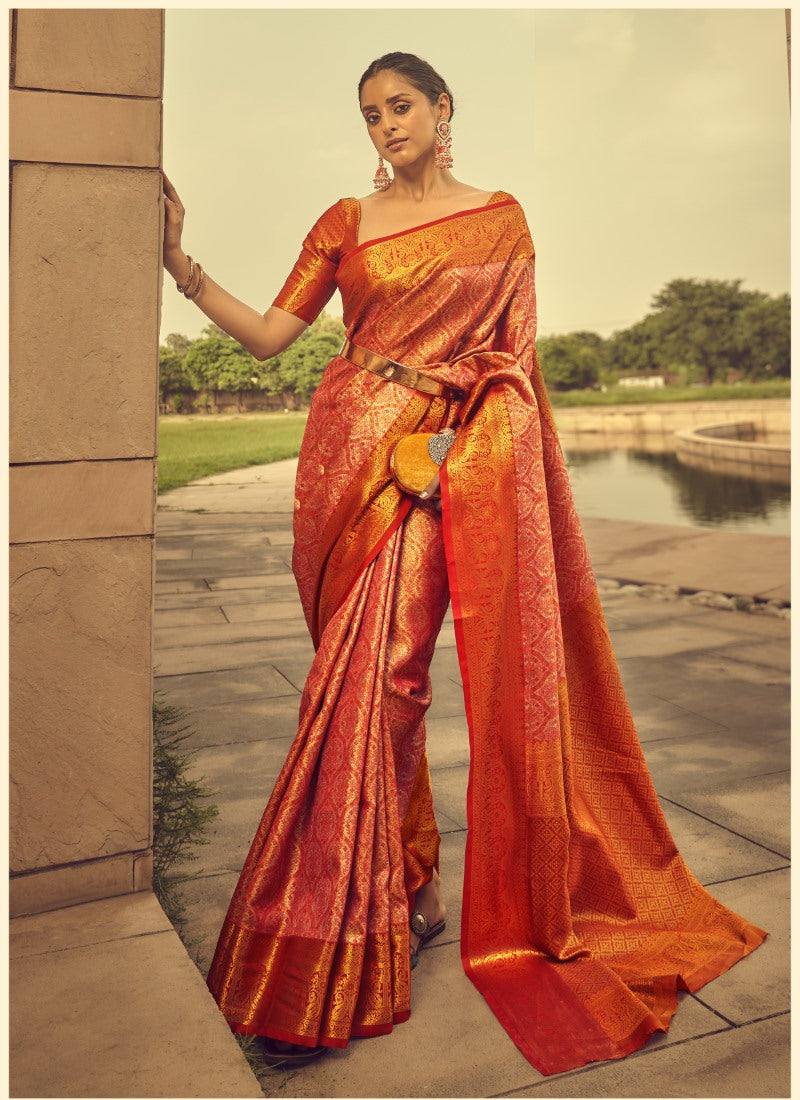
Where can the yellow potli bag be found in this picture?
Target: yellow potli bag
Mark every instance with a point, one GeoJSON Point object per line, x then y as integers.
{"type": "Point", "coordinates": [416, 459]}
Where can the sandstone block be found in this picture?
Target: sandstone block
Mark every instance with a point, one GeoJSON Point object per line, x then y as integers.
{"type": "Point", "coordinates": [116, 50]}
{"type": "Point", "coordinates": [57, 887]}
{"type": "Point", "coordinates": [59, 128]}
{"type": "Point", "coordinates": [87, 242]}
{"type": "Point", "coordinates": [80, 701]}
{"type": "Point", "coordinates": [82, 500]}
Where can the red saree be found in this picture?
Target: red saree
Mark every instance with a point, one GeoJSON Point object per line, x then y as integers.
{"type": "Point", "coordinates": [580, 918]}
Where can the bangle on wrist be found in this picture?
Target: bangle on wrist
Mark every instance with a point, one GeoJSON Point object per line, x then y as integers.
{"type": "Point", "coordinates": [191, 295]}
{"type": "Point", "coordinates": [186, 285]}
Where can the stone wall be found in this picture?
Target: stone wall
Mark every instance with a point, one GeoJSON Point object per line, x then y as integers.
{"type": "Point", "coordinates": [85, 278]}
{"type": "Point", "coordinates": [769, 415]}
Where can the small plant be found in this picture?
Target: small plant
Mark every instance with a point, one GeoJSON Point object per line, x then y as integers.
{"type": "Point", "coordinates": [181, 811]}
{"type": "Point", "coordinates": [178, 402]}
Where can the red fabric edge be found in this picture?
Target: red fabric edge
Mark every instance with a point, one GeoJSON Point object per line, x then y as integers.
{"type": "Point", "coordinates": [455, 599]}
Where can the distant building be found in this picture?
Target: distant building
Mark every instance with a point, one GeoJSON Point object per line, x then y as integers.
{"type": "Point", "coordinates": [651, 381]}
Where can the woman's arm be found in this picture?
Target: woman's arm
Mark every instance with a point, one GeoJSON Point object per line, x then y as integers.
{"type": "Point", "coordinates": [263, 334]}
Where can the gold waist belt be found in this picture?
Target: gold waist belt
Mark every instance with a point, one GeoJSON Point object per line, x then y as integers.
{"type": "Point", "coordinates": [396, 372]}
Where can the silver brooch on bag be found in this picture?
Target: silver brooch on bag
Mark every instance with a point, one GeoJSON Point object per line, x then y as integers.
{"type": "Point", "coordinates": [439, 445]}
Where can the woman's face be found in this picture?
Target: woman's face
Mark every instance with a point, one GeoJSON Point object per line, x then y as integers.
{"type": "Point", "coordinates": [400, 118]}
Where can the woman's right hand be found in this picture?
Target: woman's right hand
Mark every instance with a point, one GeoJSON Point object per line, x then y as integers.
{"type": "Point", "coordinates": [174, 258]}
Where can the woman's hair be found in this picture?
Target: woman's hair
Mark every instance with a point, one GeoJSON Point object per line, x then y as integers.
{"type": "Point", "coordinates": [416, 71]}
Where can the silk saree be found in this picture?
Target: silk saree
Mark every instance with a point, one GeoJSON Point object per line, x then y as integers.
{"type": "Point", "coordinates": [580, 919]}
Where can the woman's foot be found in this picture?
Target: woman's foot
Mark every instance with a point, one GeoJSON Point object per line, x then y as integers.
{"type": "Point", "coordinates": [276, 1052]}
{"type": "Point", "coordinates": [430, 904]}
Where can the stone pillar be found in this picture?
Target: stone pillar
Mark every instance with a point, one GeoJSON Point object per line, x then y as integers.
{"type": "Point", "coordinates": [85, 279]}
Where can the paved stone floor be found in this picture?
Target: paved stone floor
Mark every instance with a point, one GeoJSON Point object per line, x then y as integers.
{"type": "Point", "coordinates": [709, 691]}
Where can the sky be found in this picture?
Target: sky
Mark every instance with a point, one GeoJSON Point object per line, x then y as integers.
{"type": "Point", "coordinates": [644, 145]}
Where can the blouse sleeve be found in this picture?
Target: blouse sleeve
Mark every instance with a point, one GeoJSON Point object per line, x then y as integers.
{"type": "Point", "coordinates": [312, 280]}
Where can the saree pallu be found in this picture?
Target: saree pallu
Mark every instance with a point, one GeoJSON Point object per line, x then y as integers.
{"type": "Point", "coordinates": [580, 919]}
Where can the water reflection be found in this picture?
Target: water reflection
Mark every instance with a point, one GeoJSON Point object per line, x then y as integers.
{"type": "Point", "coordinates": [658, 488]}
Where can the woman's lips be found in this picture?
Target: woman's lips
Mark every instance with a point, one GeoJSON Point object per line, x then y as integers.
{"type": "Point", "coordinates": [396, 143]}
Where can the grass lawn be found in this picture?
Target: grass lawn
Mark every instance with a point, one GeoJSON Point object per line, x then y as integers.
{"type": "Point", "coordinates": [641, 395]}
{"type": "Point", "coordinates": [196, 446]}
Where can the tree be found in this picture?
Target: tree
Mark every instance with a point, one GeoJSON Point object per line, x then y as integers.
{"type": "Point", "coordinates": [216, 362]}
{"type": "Point", "coordinates": [298, 369]}
{"type": "Point", "coordinates": [572, 362]}
{"type": "Point", "coordinates": [763, 335]}
{"type": "Point", "coordinates": [638, 349]}
{"type": "Point", "coordinates": [698, 324]}
{"type": "Point", "coordinates": [172, 374]}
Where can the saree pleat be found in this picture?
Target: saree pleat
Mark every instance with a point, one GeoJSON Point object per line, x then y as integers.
{"type": "Point", "coordinates": [580, 919]}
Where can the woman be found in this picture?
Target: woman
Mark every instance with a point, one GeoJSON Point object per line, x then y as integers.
{"type": "Point", "coordinates": [580, 919]}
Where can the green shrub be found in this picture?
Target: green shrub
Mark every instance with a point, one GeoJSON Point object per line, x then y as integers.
{"type": "Point", "coordinates": [181, 810]}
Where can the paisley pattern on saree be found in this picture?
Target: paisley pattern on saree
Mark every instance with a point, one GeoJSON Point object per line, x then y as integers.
{"type": "Point", "coordinates": [580, 920]}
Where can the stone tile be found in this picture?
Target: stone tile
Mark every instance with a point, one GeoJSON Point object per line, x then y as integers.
{"type": "Point", "coordinates": [447, 741]}
{"type": "Point", "coordinates": [225, 633]}
{"type": "Point", "coordinates": [172, 520]}
{"type": "Point", "coordinates": [251, 581]}
{"type": "Point", "coordinates": [81, 500]}
{"type": "Point", "coordinates": [447, 824]}
{"type": "Point", "coordinates": [449, 787]}
{"type": "Point", "coordinates": [196, 585]}
{"type": "Point", "coordinates": [448, 696]}
{"type": "Point", "coordinates": [750, 1061]}
{"type": "Point", "coordinates": [733, 562]}
{"type": "Point", "coordinates": [736, 696]}
{"type": "Point", "coordinates": [259, 610]}
{"type": "Point", "coordinates": [657, 718]}
{"type": "Point", "coordinates": [755, 808]}
{"type": "Point", "coordinates": [712, 852]}
{"type": "Point", "coordinates": [206, 899]}
{"type": "Point", "coordinates": [60, 128]}
{"type": "Point", "coordinates": [273, 587]}
{"type": "Point", "coordinates": [241, 542]}
{"type": "Point", "coordinates": [241, 777]}
{"type": "Point", "coordinates": [188, 617]}
{"type": "Point", "coordinates": [96, 275]}
{"type": "Point", "coordinates": [685, 763]}
{"type": "Point", "coordinates": [232, 685]}
{"type": "Point", "coordinates": [241, 499]}
{"type": "Point", "coordinates": [215, 656]}
{"type": "Point", "coordinates": [445, 662]}
{"type": "Point", "coordinates": [95, 922]}
{"type": "Point", "coordinates": [226, 567]}
{"type": "Point", "coordinates": [283, 537]}
{"type": "Point", "coordinates": [244, 720]}
{"type": "Point", "coordinates": [80, 700]}
{"type": "Point", "coordinates": [174, 1044]}
{"type": "Point", "coordinates": [451, 869]}
{"type": "Point", "coordinates": [92, 50]}
{"type": "Point", "coordinates": [163, 554]}
{"type": "Point", "coordinates": [760, 984]}
{"type": "Point", "coordinates": [774, 654]}
{"type": "Point", "coordinates": [669, 637]}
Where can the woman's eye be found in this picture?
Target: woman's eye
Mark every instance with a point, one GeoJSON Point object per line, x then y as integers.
{"type": "Point", "coordinates": [402, 107]}
{"type": "Point", "coordinates": [372, 119]}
